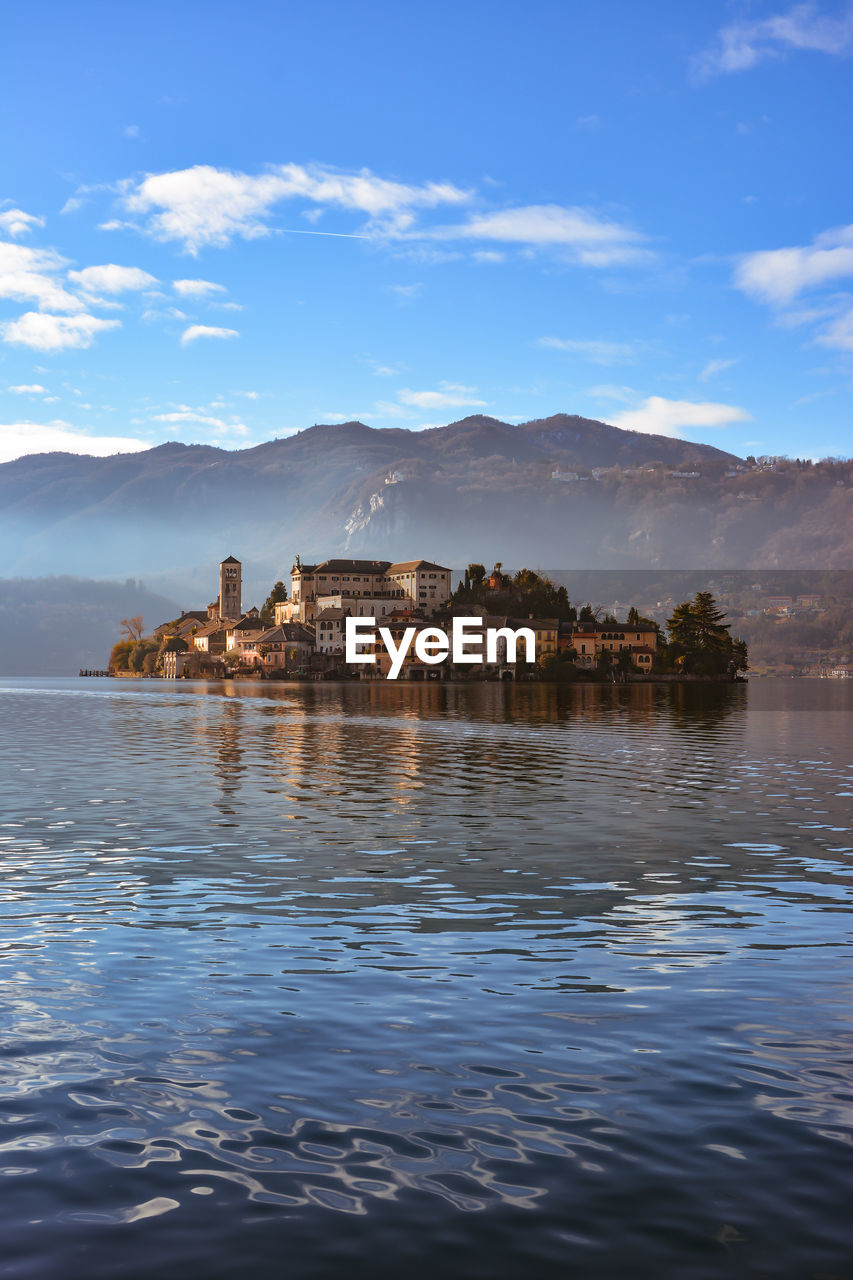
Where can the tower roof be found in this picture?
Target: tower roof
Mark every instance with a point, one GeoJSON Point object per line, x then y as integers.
{"type": "Point", "coordinates": [229, 560]}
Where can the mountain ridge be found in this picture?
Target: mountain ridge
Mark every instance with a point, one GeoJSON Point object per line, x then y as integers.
{"type": "Point", "coordinates": [475, 488]}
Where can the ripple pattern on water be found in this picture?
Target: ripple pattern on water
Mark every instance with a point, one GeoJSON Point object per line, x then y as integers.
{"type": "Point", "coordinates": [499, 980]}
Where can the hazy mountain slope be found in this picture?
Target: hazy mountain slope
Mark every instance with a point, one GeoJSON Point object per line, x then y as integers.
{"type": "Point", "coordinates": [474, 489]}
{"type": "Point", "coordinates": [55, 626]}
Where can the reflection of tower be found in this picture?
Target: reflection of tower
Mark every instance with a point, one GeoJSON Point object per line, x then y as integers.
{"type": "Point", "coordinates": [230, 588]}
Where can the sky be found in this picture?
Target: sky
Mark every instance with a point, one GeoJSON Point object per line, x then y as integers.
{"type": "Point", "coordinates": [225, 222]}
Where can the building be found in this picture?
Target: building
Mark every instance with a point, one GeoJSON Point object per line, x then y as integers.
{"type": "Point", "coordinates": [546, 631]}
{"type": "Point", "coordinates": [209, 639]}
{"type": "Point", "coordinates": [242, 630]}
{"type": "Point", "coordinates": [428, 586]}
{"type": "Point", "coordinates": [369, 588]}
{"type": "Point", "coordinates": [288, 647]}
{"type": "Point", "coordinates": [639, 639]}
{"type": "Point", "coordinates": [230, 588]}
{"type": "Point", "coordinates": [330, 631]}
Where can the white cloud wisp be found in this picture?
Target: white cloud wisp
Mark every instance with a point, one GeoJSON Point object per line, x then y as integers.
{"type": "Point", "coordinates": [20, 438]}
{"type": "Point", "coordinates": [658, 416]}
{"type": "Point", "coordinates": [206, 331]}
{"type": "Point", "coordinates": [743, 45]}
{"type": "Point", "coordinates": [45, 332]}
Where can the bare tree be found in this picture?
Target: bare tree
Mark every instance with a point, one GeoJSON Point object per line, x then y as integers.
{"type": "Point", "coordinates": [131, 628]}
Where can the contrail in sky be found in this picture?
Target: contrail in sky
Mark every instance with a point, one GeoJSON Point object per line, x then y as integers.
{"type": "Point", "coordinates": [345, 235]}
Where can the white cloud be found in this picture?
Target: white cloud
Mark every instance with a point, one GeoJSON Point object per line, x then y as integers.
{"type": "Point", "coordinates": [661, 417]}
{"type": "Point", "coordinates": [133, 131]}
{"type": "Point", "coordinates": [206, 331]}
{"type": "Point", "coordinates": [713, 367]}
{"type": "Point", "coordinates": [592, 240]}
{"type": "Point", "coordinates": [839, 334]}
{"type": "Point", "coordinates": [220, 426]}
{"type": "Point", "coordinates": [29, 275]}
{"type": "Point", "coordinates": [407, 292]}
{"type": "Point", "coordinates": [152, 314]}
{"type": "Point", "coordinates": [250, 395]}
{"type": "Point", "coordinates": [45, 332]}
{"type": "Point", "coordinates": [110, 278]}
{"type": "Point", "coordinates": [28, 389]}
{"type": "Point", "coordinates": [20, 438]}
{"type": "Point", "coordinates": [489, 256]}
{"type": "Point", "coordinates": [607, 391]}
{"type": "Point", "coordinates": [14, 222]}
{"type": "Point", "coordinates": [594, 350]}
{"type": "Point", "coordinates": [451, 396]}
{"type": "Point", "coordinates": [209, 206]}
{"type": "Point", "coordinates": [779, 275]}
{"type": "Point", "coordinates": [197, 288]}
{"type": "Point", "coordinates": [743, 45]}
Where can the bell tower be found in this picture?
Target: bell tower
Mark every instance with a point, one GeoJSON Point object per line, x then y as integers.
{"type": "Point", "coordinates": [230, 588]}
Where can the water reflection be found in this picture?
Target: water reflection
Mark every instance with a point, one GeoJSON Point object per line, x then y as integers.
{"type": "Point", "coordinates": [401, 973]}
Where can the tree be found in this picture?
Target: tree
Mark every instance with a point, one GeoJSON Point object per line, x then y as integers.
{"type": "Point", "coordinates": [699, 640]}
{"type": "Point", "coordinates": [132, 628]}
{"type": "Point", "coordinates": [277, 596]}
{"type": "Point", "coordinates": [559, 668]}
{"type": "Point", "coordinates": [586, 617]}
{"type": "Point", "coordinates": [476, 573]}
{"type": "Point", "coordinates": [624, 665]}
{"type": "Point", "coordinates": [120, 655]}
{"type": "Point", "coordinates": [139, 652]}
{"type": "Point", "coordinates": [604, 664]}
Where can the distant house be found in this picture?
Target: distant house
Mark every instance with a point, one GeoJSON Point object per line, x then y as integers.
{"type": "Point", "coordinates": [210, 638]}
{"type": "Point", "coordinates": [287, 647]}
{"type": "Point", "coordinates": [640, 640]}
{"type": "Point", "coordinates": [545, 630]}
{"type": "Point", "coordinates": [330, 630]}
{"type": "Point", "coordinates": [242, 631]}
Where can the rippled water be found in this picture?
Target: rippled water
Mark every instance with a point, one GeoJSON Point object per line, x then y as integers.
{"type": "Point", "coordinates": [398, 981]}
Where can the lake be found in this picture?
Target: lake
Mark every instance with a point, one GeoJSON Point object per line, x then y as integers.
{"type": "Point", "coordinates": [394, 980]}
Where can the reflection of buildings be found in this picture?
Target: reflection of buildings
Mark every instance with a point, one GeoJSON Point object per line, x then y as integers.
{"type": "Point", "coordinates": [228, 755]}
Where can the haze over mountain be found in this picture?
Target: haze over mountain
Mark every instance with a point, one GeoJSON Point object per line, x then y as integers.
{"type": "Point", "coordinates": [477, 489]}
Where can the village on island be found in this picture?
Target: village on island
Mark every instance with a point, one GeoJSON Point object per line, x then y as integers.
{"type": "Point", "coordinates": [412, 624]}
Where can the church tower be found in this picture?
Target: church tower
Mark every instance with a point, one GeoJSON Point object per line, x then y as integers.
{"type": "Point", "coordinates": [230, 588]}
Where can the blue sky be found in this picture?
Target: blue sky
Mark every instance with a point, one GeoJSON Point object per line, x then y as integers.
{"type": "Point", "coordinates": [225, 222]}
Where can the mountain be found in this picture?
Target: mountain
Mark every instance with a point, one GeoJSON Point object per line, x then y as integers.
{"type": "Point", "coordinates": [477, 489]}
{"type": "Point", "coordinates": [56, 625]}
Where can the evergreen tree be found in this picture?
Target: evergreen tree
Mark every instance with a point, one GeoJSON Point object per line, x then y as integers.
{"type": "Point", "coordinates": [699, 640]}
{"type": "Point", "coordinates": [276, 596]}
